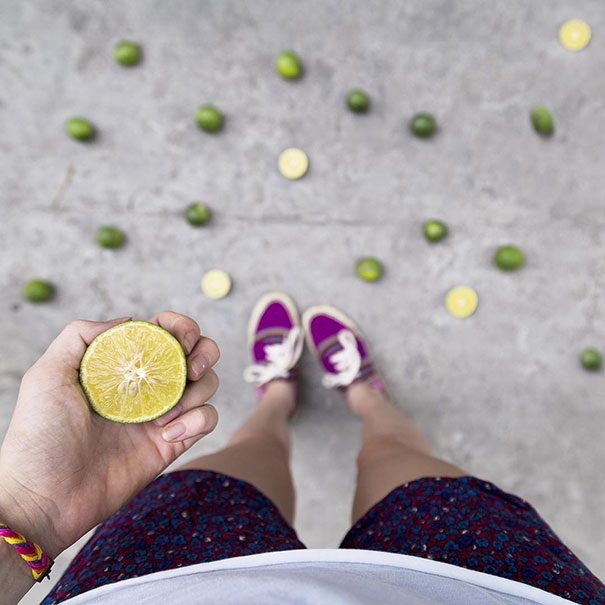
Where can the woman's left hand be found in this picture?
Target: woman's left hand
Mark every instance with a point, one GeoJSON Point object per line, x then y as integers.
{"type": "Point", "coordinates": [63, 468]}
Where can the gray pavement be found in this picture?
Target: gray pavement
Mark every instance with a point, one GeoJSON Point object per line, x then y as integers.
{"type": "Point", "coordinates": [500, 393]}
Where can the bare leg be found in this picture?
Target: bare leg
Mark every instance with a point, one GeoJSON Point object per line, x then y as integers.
{"type": "Point", "coordinates": [393, 450]}
{"type": "Point", "coordinates": [259, 451]}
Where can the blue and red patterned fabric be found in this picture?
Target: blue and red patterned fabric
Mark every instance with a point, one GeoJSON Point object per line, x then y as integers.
{"type": "Point", "coordinates": [193, 516]}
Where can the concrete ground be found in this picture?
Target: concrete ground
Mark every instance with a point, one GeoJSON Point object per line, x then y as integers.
{"type": "Point", "coordinates": [501, 393]}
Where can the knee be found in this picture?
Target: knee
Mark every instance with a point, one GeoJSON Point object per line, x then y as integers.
{"type": "Point", "coordinates": [386, 446]}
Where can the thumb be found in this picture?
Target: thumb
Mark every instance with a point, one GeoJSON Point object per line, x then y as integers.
{"type": "Point", "coordinates": [69, 347]}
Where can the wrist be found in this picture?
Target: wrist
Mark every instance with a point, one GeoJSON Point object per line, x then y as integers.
{"type": "Point", "coordinates": [22, 512]}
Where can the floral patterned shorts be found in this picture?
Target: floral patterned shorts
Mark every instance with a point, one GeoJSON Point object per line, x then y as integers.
{"type": "Point", "coordinates": [193, 516]}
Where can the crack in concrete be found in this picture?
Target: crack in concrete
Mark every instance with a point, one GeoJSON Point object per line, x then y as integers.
{"type": "Point", "coordinates": [55, 203]}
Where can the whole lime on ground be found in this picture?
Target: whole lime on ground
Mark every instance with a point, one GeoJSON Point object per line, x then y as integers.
{"type": "Point", "coordinates": [358, 101]}
{"type": "Point", "coordinates": [509, 258]}
{"type": "Point", "coordinates": [37, 290]}
{"type": "Point", "coordinates": [209, 118]}
{"type": "Point", "coordinates": [541, 120]}
{"type": "Point", "coordinates": [197, 214]}
{"type": "Point", "coordinates": [109, 237]}
{"type": "Point", "coordinates": [133, 372]}
{"type": "Point", "coordinates": [435, 230]}
{"type": "Point", "coordinates": [369, 268]}
{"type": "Point", "coordinates": [591, 359]}
{"type": "Point", "coordinates": [288, 65]}
{"type": "Point", "coordinates": [423, 125]}
{"type": "Point", "coordinates": [79, 129]}
{"type": "Point", "coordinates": [127, 53]}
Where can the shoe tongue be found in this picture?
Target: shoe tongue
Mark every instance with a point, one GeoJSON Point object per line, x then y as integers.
{"type": "Point", "coordinates": [267, 337]}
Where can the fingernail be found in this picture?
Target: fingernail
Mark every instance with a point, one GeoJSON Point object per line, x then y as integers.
{"type": "Point", "coordinates": [169, 416]}
{"type": "Point", "coordinates": [200, 364]}
{"type": "Point", "coordinates": [190, 340]}
{"type": "Point", "coordinates": [170, 433]}
{"type": "Point", "coordinates": [118, 320]}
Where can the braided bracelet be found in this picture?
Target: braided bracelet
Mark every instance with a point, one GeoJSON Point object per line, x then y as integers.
{"type": "Point", "coordinates": [31, 553]}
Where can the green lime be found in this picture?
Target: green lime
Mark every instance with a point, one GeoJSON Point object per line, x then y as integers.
{"type": "Point", "coordinates": [127, 53]}
{"type": "Point", "coordinates": [197, 214]}
{"type": "Point", "coordinates": [80, 129]}
{"type": "Point", "coordinates": [358, 101]}
{"type": "Point", "coordinates": [509, 258]}
{"type": "Point", "coordinates": [435, 230]}
{"type": "Point", "coordinates": [542, 120]}
{"type": "Point", "coordinates": [369, 268]}
{"type": "Point", "coordinates": [209, 118]}
{"type": "Point", "coordinates": [109, 237]}
{"type": "Point", "coordinates": [37, 290]}
{"type": "Point", "coordinates": [288, 64]}
{"type": "Point", "coordinates": [591, 359]}
{"type": "Point", "coordinates": [423, 125]}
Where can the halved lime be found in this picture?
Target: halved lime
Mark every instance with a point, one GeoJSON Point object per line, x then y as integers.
{"type": "Point", "coordinates": [575, 34]}
{"type": "Point", "coordinates": [293, 163]}
{"type": "Point", "coordinates": [461, 301]}
{"type": "Point", "coordinates": [133, 372]}
{"type": "Point", "coordinates": [216, 283]}
{"type": "Point", "coordinates": [369, 268]}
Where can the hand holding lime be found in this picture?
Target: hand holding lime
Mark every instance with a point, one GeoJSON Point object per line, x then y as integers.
{"type": "Point", "coordinates": [133, 372]}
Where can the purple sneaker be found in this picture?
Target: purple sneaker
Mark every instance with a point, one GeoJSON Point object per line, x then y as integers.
{"type": "Point", "coordinates": [340, 348]}
{"type": "Point", "coordinates": [275, 340]}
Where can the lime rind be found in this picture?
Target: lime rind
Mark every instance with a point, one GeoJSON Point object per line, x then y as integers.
{"type": "Point", "coordinates": [180, 378]}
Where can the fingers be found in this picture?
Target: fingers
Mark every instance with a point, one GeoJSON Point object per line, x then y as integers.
{"type": "Point", "coordinates": [203, 357]}
{"type": "Point", "coordinates": [69, 347]}
{"type": "Point", "coordinates": [196, 422]}
{"type": "Point", "coordinates": [195, 395]}
{"type": "Point", "coordinates": [202, 353]}
{"type": "Point", "coordinates": [183, 328]}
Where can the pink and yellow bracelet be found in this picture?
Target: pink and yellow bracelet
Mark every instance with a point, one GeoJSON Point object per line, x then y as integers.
{"type": "Point", "coordinates": [31, 553]}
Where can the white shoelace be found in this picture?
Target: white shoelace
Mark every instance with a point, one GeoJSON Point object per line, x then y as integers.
{"type": "Point", "coordinates": [281, 357]}
{"type": "Point", "coordinates": [347, 362]}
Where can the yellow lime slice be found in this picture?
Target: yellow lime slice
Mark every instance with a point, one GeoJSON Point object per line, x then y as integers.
{"type": "Point", "coordinates": [133, 372]}
{"type": "Point", "coordinates": [461, 301]}
{"type": "Point", "coordinates": [293, 163]}
{"type": "Point", "coordinates": [575, 34]}
{"type": "Point", "coordinates": [216, 283]}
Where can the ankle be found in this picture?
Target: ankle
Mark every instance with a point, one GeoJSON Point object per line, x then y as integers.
{"type": "Point", "coordinates": [280, 395]}
{"type": "Point", "coordinates": [363, 398]}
